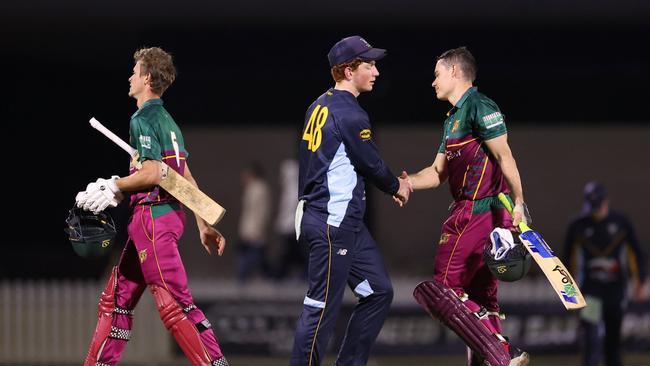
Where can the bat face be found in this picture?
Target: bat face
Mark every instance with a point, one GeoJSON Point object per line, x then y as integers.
{"type": "Point", "coordinates": [560, 278]}
{"type": "Point", "coordinates": [549, 263]}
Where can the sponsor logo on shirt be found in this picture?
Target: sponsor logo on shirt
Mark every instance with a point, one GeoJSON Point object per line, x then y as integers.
{"type": "Point", "coordinates": [365, 134]}
{"type": "Point", "coordinates": [492, 120]}
{"type": "Point", "coordinates": [444, 238]}
{"type": "Point", "coordinates": [145, 142]}
{"type": "Point", "coordinates": [452, 154]}
{"type": "Point", "coordinates": [342, 252]}
{"type": "Point", "coordinates": [456, 125]}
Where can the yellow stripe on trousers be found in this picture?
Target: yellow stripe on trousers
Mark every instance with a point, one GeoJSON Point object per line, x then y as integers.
{"type": "Point", "coordinates": [327, 289]}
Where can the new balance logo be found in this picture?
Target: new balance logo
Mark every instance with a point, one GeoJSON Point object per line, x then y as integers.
{"type": "Point", "coordinates": [342, 252]}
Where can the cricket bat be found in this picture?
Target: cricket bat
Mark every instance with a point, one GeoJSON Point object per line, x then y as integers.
{"type": "Point", "coordinates": [174, 183]}
{"type": "Point", "coordinates": [556, 273]}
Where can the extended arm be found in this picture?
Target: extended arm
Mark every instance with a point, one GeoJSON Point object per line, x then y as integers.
{"type": "Point", "coordinates": [499, 148]}
{"type": "Point", "coordinates": [366, 159]}
{"type": "Point", "coordinates": [432, 176]}
{"type": "Point", "coordinates": [210, 237]}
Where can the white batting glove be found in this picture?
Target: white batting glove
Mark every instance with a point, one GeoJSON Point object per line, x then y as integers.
{"type": "Point", "coordinates": [102, 195]}
{"type": "Point", "coordinates": [522, 210]}
{"type": "Point", "coordinates": [83, 196]}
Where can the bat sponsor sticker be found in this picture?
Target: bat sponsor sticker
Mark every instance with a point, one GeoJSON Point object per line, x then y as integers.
{"type": "Point", "coordinates": [569, 293]}
{"type": "Point", "coordinates": [537, 244]}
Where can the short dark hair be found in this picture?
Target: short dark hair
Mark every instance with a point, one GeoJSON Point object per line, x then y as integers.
{"type": "Point", "coordinates": [463, 58]}
{"type": "Point", "coordinates": [156, 62]}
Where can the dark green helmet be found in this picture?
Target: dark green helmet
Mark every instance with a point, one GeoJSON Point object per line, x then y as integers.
{"type": "Point", "coordinates": [513, 266]}
{"type": "Point", "coordinates": [91, 234]}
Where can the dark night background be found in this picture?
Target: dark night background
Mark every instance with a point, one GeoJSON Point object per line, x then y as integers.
{"type": "Point", "coordinates": [261, 63]}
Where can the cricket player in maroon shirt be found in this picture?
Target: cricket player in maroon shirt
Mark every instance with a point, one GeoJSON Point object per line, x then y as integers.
{"type": "Point", "coordinates": [475, 157]}
{"type": "Point", "coordinates": [151, 257]}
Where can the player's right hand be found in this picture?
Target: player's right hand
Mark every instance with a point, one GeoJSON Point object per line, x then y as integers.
{"type": "Point", "coordinates": [82, 197]}
{"type": "Point", "coordinates": [521, 214]}
{"type": "Point", "coordinates": [401, 197]}
{"type": "Point", "coordinates": [99, 195]}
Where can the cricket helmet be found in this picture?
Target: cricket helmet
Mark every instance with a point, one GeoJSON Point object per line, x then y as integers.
{"type": "Point", "coordinates": [513, 266]}
{"type": "Point", "coordinates": [91, 234]}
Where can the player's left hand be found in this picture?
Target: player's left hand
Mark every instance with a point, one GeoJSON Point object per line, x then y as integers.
{"type": "Point", "coordinates": [521, 214]}
{"type": "Point", "coordinates": [211, 239]}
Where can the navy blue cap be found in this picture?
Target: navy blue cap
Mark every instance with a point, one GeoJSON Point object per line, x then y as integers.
{"type": "Point", "coordinates": [351, 48]}
{"type": "Point", "coordinates": [595, 194]}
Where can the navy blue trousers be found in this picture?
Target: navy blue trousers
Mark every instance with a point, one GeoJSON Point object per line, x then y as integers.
{"type": "Point", "coordinates": [338, 258]}
{"type": "Point", "coordinates": [604, 337]}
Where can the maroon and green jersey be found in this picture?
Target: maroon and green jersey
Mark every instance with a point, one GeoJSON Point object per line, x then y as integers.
{"type": "Point", "coordinates": [473, 172]}
{"type": "Point", "coordinates": [156, 136]}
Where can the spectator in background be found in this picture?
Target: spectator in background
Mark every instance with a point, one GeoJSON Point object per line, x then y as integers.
{"type": "Point", "coordinates": [253, 223]}
{"type": "Point", "coordinates": [293, 254]}
{"type": "Point", "coordinates": [603, 254]}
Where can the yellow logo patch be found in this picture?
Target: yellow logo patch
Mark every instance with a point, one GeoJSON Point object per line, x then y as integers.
{"type": "Point", "coordinates": [444, 238]}
{"type": "Point", "coordinates": [455, 126]}
{"type": "Point", "coordinates": [106, 243]}
{"type": "Point", "coordinates": [143, 255]}
{"type": "Point", "coordinates": [365, 134]}
{"type": "Point", "coordinates": [502, 269]}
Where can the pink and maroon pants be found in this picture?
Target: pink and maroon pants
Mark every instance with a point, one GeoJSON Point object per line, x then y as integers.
{"type": "Point", "coordinates": [459, 259]}
{"type": "Point", "coordinates": [151, 257]}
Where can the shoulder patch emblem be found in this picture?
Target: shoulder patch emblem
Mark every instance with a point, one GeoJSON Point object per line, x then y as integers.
{"type": "Point", "coordinates": [365, 134]}
{"type": "Point", "coordinates": [492, 119]}
{"type": "Point", "coordinates": [145, 142]}
{"type": "Point", "coordinates": [444, 238]}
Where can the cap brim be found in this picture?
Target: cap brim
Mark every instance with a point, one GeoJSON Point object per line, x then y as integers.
{"type": "Point", "coordinates": [372, 54]}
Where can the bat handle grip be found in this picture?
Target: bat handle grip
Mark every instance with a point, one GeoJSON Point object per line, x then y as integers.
{"type": "Point", "coordinates": [523, 227]}
{"type": "Point", "coordinates": [111, 136]}
{"type": "Point", "coordinates": [505, 202]}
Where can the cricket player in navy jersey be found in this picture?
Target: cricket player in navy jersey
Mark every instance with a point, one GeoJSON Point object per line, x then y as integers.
{"type": "Point", "coordinates": [603, 253]}
{"type": "Point", "coordinates": [475, 158]}
{"type": "Point", "coordinates": [337, 155]}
